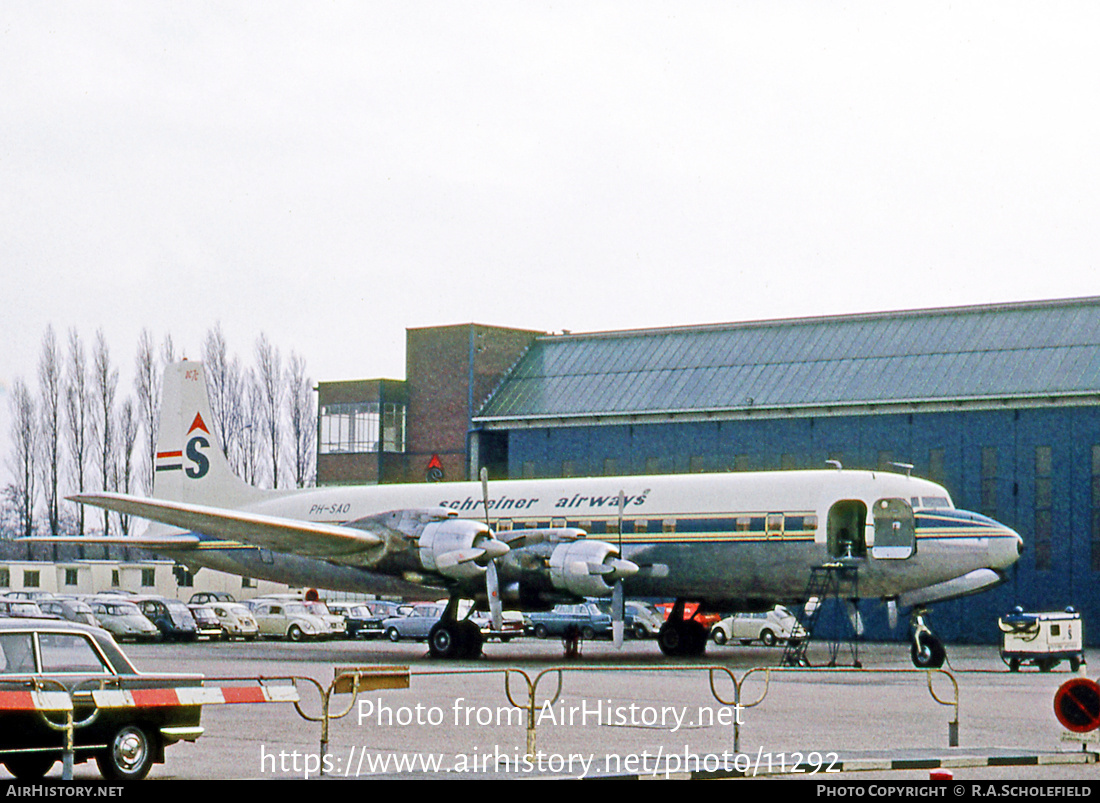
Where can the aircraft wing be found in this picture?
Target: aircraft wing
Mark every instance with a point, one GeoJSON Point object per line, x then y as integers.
{"type": "Point", "coordinates": [169, 542]}
{"type": "Point", "coordinates": [294, 536]}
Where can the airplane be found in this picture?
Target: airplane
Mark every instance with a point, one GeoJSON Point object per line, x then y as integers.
{"type": "Point", "coordinates": [740, 541]}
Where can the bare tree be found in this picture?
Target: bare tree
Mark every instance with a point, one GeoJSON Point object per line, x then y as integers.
{"type": "Point", "coordinates": [147, 383]}
{"type": "Point", "coordinates": [50, 392]}
{"type": "Point", "coordinates": [124, 464]}
{"type": "Point", "coordinates": [105, 385]}
{"type": "Point", "coordinates": [77, 415]}
{"type": "Point", "coordinates": [24, 437]}
{"type": "Point", "coordinates": [248, 445]}
{"type": "Point", "coordinates": [221, 385]}
{"type": "Point", "coordinates": [269, 375]}
{"type": "Point", "coordinates": [303, 420]}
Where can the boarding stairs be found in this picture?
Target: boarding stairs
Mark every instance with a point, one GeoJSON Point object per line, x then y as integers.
{"type": "Point", "coordinates": [837, 581]}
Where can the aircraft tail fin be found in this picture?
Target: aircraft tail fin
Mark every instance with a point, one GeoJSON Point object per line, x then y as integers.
{"type": "Point", "coordinates": [190, 464]}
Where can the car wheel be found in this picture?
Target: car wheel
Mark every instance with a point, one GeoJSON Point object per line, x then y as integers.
{"type": "Point", "coordinates": [640, 631]}
{"type": "Point", "coordinates": [587, 633]}
{"type": "Point", "coordinates": [393, 635]}
{"type": "Point", "coordinates": [541, 631]}
{"type": "Point", "coordinates": [768, 637]}
{"type": "Point", "coordinates": [29, 767]}
{"type": "Point", "coordinates": [129, 755]}
{"type": "Point", "coordinates": [294, 633]}
{"type": "Point", "coordinates": [719, 636]}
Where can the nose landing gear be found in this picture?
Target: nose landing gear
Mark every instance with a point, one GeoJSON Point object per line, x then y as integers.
{"type": "Point", "coordinates": [927, 650]}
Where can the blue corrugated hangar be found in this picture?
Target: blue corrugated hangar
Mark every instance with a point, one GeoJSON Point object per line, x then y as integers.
{"type": "Point", "coordinates": [999, 403]}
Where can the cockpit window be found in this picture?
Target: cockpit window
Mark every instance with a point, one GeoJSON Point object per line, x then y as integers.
{"type": "Point", "coordinates": [931, 502]}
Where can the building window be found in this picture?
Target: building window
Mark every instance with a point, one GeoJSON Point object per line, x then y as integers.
{"type": "Point", "coordinates": [148, 578]}
{"type": "Point", "coordinates": [1096, 508]}
{"type": "Point", "coordinates": [5, 578]}
{"type": "Point", "coordinates": [936, 471]}
{"type": "Point", "coordinates": [1044, 495]}
{"type": "Point", "coordinates": [71, 577]}
{"type": "Point", "coordinates": [115, 581]}
{"type": "Point", "coordinates": [248, 582]}
{"type": "Point", "coordinates": [989, 481]}
{"type": "Point", "coordinates": [361, 428]}
{"type": "Point", "coordinates": [31, 578]}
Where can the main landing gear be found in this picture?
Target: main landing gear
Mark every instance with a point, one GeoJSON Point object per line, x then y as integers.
{"type": "Point", "coordinates": [451, 638]}
{"type": "Point", "coordinates": [927, 650]}
{"type": "Point", "coordinates": [682, 637]}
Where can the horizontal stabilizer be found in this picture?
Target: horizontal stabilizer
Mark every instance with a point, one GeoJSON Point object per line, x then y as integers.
{"type": "Point", "coordinates": [294, 536]}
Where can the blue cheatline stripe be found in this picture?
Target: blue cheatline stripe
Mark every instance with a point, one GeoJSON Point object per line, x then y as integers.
{"type": "Point", "coordinates": [174, 467]}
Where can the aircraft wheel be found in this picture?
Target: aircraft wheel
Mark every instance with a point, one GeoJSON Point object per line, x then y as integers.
{"type": "Point", "coordinates": [768, 637]}
{"type": "Point", "coordinates": [928, 652]}
{"type": "Point", "coordinates": [446, 640]}
{"type": "Point", "coordinates": [719, 636]}
{"type": "Point", "coordinates": [472, 640]}
{"type": "Point", "coordinates": [670, 639]}
{"type": "Point", "coordinates": [696, 637]}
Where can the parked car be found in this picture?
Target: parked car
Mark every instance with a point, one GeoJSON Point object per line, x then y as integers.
{"type": "Point", "coordinates": [640, 619]}
{"type": "Point", "coordinates": [21, 609]}
{"type": "Point", "coordinates": [511, 625]}
{"type": "Point", "coordinates": [123, 619]}
{"type": "Point", "coordinates": [334, 622]}
{"type": "Point", "coordinates": [74, 610]}
{"type": "Point", "coordinates": [125, 742]}
{"type": "Point", "coordinates": [417, 625]}
{"type": "Point", "coordinates": [207, 623]}
{"type": "Point", "coordinates": [357, 619]}
{"type": "Point", "coordinates": [768, 627]}
{"type": "Point", "coordinates": [235, 620]}
{"type": "Point", "coordinates": [172, 618]}
{"type": "Point", "coordinates": [203, 597]}
{"type": "Point", "coordinates": [708, 620]}
{"type": "Point", "coordinates": [586, 618]}
{"type": "Point", "coordinates": [291, 620]}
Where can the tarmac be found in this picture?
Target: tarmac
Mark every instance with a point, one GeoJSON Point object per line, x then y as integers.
{"type": "Point", "coordinates": [629, 713]}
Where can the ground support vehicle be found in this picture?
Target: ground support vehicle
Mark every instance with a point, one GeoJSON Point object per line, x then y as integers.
{"type": "Point", "coordinates": [72, 661]}
{"type": "Point", "coordinates": [1042, 639]}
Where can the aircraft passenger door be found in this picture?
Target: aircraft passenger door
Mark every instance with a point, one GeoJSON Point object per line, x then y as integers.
{"type": "Point", "coordinates": [846, 529]}
{"type": "Point", "coordinates": [895, 530]}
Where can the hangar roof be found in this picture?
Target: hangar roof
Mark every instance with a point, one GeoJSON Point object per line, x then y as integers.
{"type": "Point", "coordinates": [1037, 351]}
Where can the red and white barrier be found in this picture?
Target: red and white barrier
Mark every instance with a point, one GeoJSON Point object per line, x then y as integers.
{"type": "Point", "coordinates": [193, 695]}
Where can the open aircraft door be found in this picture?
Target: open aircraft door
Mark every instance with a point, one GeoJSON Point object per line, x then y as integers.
{"type": "Point", "coordinates": [895, 530]}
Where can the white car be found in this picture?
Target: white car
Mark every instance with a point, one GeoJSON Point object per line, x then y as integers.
{"type": "Point", "coordinates": [291, 620]}
{"type": "Point", "coordinates": [769, 627]}
{"type": "Point", "coordinates": [235, 619]}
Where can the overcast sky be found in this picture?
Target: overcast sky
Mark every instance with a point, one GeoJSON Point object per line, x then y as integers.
{"type": "Point", "coordinates": [332, 173]}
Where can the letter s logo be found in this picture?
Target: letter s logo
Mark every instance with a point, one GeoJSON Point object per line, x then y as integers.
{"type": "Point", "coordinates": [202, 465]}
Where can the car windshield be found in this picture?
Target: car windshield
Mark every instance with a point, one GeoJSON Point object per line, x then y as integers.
{"type": "Point", "coordinates": [318, 609]}
{"type": "Point", "coordinates": [123, 609]}
{"type": "Point", "coordinates": [296, 609]}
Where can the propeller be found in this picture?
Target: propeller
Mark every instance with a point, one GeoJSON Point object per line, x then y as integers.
{"type": "Point", "coordinates": [492, 580]}
{"type": "Point", "coordinates": [892, 613]}
{"type": "Point", "coordinates": [618, 603]}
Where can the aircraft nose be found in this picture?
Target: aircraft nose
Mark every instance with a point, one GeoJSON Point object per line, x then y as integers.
{"type": "Point", "coordinates": [1006, 550]}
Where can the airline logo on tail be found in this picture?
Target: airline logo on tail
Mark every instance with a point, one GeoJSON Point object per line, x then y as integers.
{"type": "Point", "coordinates": [198, 463]}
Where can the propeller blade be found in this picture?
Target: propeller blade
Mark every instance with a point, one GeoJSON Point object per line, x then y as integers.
{"type": "Point", "coordinates": [492, 587]}
{"type": "Point", "coordinates": [618, 614]}
{"type": "Point", "coordinates": [855, 618]}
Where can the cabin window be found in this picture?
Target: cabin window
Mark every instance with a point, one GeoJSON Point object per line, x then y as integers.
{"type": "Point", "coordinates": [775, 525]}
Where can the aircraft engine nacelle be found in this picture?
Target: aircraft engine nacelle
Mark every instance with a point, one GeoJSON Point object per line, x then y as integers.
{"type": "Point", "coordinates": [588, 568]}
{"type": "Point", "coordinates": [458, 548]}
